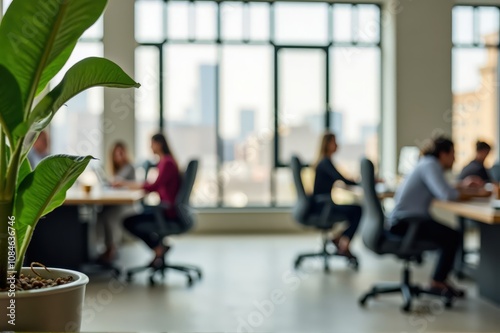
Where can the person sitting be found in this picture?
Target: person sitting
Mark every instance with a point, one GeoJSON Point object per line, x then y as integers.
{"type": "Point", "coordinates": [476, 166]}
{"type": "Point", "coordinates": [326, 175]}
{"type": "Point", "coordinates": [40, 149]}
{"type": "Point", "coordinates": [412, 202]}
{"type": "Point", "coordinates": [167, 185]}
{"type": "Point", "coordinates": [121, 170]}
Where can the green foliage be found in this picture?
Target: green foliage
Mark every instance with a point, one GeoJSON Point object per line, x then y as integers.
{"type": "Point", "coordinates": [36, 38]}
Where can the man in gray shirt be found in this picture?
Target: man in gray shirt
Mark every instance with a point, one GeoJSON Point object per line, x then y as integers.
{"type": "Point", "coordinates": [413, 200]}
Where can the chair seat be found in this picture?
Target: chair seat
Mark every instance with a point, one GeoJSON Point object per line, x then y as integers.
{"type": "Point", "coordinates": [391, 244]}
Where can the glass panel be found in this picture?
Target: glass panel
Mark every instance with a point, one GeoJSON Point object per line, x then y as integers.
{"type": "Point", "coordinates": [149, 26]}
{"type": "Point", "coordinates": [147, 104]}
{"type": "Point", "coordinates": [301, 79]}
{"type": "Point", "coordinates": [206, 20]}
{"type": "Point", "coordinates": [369, 24]}
{"type": "Point", "coordinates": [96, 31]}
{"type": "Point", "coordinates": [259, 21]}
{"type": "Point", "coordinates": [299, 23]}
{"type": "Point", "coordinates": [232, 20]}
{"type": "Point", "coordinates": [488, 25]}
{"type": "Point", "coordinates": [178, 20]}
{"type": "Point", "coordinates": [342, 23]}
{"type": "Point", "coordinates": [190, 104]}
{"type": "Point", "coordinates": [475, 109]}
{"type": "Point", "coordinates": [6, 4]}
{"type": "Point", "coordinates": [355, 72]}
{"type": "Point", "coordinates": [77, 128]}
{"type": "Point", "coordinates": [246, 124]}
{"type": "Point", "coordinates": [463, 25]}
{"type": "Point", "coordinates": [286, 194]}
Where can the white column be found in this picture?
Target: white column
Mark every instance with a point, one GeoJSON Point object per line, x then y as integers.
{"type": "Point", "coordinates": [417, 95]}
{"type": "Point", "coordinates": [119, 46]}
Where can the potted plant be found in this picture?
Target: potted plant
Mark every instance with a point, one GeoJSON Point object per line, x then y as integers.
{"type": "Point", "coordinates": [36, 39]}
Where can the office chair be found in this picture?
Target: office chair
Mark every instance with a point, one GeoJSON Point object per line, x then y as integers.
{"type": "Point", "coordinates": [381, 241]}
{"type": "Point", "coordinates": [303, 214]}
{"type": "Point", "coordinates": [184, 222]}
{"type": "Point", "coordinates": [495, 172]}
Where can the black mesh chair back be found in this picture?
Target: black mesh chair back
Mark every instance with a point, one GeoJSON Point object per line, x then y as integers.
{"type": "Point", "coordinates": [184, 213]}
{"type": "Point", "coordinates": [374, 218]}
{"type": "Point", "coordinates": [301, 209]}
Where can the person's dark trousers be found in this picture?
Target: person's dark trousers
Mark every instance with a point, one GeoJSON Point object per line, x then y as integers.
{"type": "Point", "coordinates": [144, 226]}
{"type": "Point", "coordinates": [352, 214]}
{"type": "Point", "coordinates": [446, 238]}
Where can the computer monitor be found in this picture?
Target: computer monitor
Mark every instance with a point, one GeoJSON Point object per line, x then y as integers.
{"type": "Point", "coordinates": [408, 158]}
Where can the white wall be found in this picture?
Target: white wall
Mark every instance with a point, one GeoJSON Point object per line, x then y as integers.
{"type": "Point", "coordinates": [417, 81]}
{"type": "Point", "coordinates": [119, 46]}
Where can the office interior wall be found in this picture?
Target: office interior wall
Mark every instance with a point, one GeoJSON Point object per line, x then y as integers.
{"type": "Point", "coordinates": [423, 71]}
{"type": "Point", "coordinates": [119, 46]}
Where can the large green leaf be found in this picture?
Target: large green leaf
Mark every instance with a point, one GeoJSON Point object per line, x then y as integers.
{"type": "Point", "coordinates": [44, 189]}
{"type": "Point", "coordinates": [87, 73]}
{"type": "Point", "coordinates": [11, 105]}
{"type": "Point", "coordinates": [37, 37]}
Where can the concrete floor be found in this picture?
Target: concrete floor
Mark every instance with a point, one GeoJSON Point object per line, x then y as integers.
{"type": "Point", "coordinates": [249, 285]}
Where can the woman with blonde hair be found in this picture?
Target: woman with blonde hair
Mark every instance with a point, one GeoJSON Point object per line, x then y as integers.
{"type": "Point", "coordinates": [110, 216]}
{"type": "Point", "coordinates": [326, 175]}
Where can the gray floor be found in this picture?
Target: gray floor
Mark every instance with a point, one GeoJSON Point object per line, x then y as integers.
{"type": "Point", "coordinates": [249, 286]}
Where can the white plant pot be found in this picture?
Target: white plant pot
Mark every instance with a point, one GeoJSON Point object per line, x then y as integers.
{"type": "Point", "coordinates": [56, 309]}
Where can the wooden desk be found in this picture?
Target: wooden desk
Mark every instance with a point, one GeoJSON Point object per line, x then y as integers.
{"type": "Point", "coordinates": [106, 197]}
{"type": "Point", "coordinates": [76, 249]}
{"type": "Point", "coordinates": [354, 195]}
{"type": "Point", "coordinates": [488, 219]}
{"type": "Point", "coordinates": [475, 209]}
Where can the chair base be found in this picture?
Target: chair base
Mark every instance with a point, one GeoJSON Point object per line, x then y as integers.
{"type": "Point", "coordinates": [325, 255]}
{"type": "Point", "coordinates": [192, 273]}
{"type": "Point", "coordinates": [409, 292]}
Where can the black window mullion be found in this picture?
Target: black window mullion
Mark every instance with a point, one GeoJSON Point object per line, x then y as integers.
{"type": "Point", "coordinates": [219, 142]}
{"type": "Point", "coordinates": [161, 85]}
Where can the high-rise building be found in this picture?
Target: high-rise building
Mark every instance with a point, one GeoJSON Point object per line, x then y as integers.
{"type": "Point", "coordinates": [207, 94]}
{"type": "Point", "coordinates": [247, 123]}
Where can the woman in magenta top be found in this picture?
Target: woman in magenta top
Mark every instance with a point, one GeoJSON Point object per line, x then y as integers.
{"type": "Point", "coordinates": [166, 185]}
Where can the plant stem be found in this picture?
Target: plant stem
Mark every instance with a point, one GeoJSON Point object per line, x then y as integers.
{"type": "Point", "coordinates": [5, 212]}
{"type": "Point", "coordinates": [22, 248]}
{"type": "Point", "coordinates": [3, 161]}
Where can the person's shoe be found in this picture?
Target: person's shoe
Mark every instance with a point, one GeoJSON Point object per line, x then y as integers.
{"type": "Point", "coordinates": [447, 290]}
{"type": "Point", "coordinates": [107, 257]}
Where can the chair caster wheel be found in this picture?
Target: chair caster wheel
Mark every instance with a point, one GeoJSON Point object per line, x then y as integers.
{"type": "Point", "coordinates": [189, 281]}
{"type": "Point", "coordinates": [296, 265]}
{"type": "Point", "coordinates": [362, 301]}
{"type": "Point", "coordinates": [199, 275]}
{"type": "Point", "coordinates": [129, 277]}
{"type": "Point", "coordinates": [354, 264]}
{"type": "Point", "coordinates": [448, 303]}
{"type": "Point", "coordinates": [152, 280]}
{"type": "Point", "coordinates": [406, 308]}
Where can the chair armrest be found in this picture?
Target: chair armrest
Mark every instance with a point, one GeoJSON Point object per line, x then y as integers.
{"type": "Point", "coordinates": [159, 213]}
{"type": "Point", "coordinates": [411, 234]}
{"type": "Point", "coordinates": [327, 202]}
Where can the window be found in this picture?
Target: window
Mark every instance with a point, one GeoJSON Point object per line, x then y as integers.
{"type": "Point", "coordinates": [244, 85]}
{"type": "Point", "coordinates": [475, 81]}
{"type": "Point", "coordinates": [77, 128]}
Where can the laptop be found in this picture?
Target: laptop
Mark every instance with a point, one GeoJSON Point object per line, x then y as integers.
{"type": "Point", "coordinates": [101, 175]}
